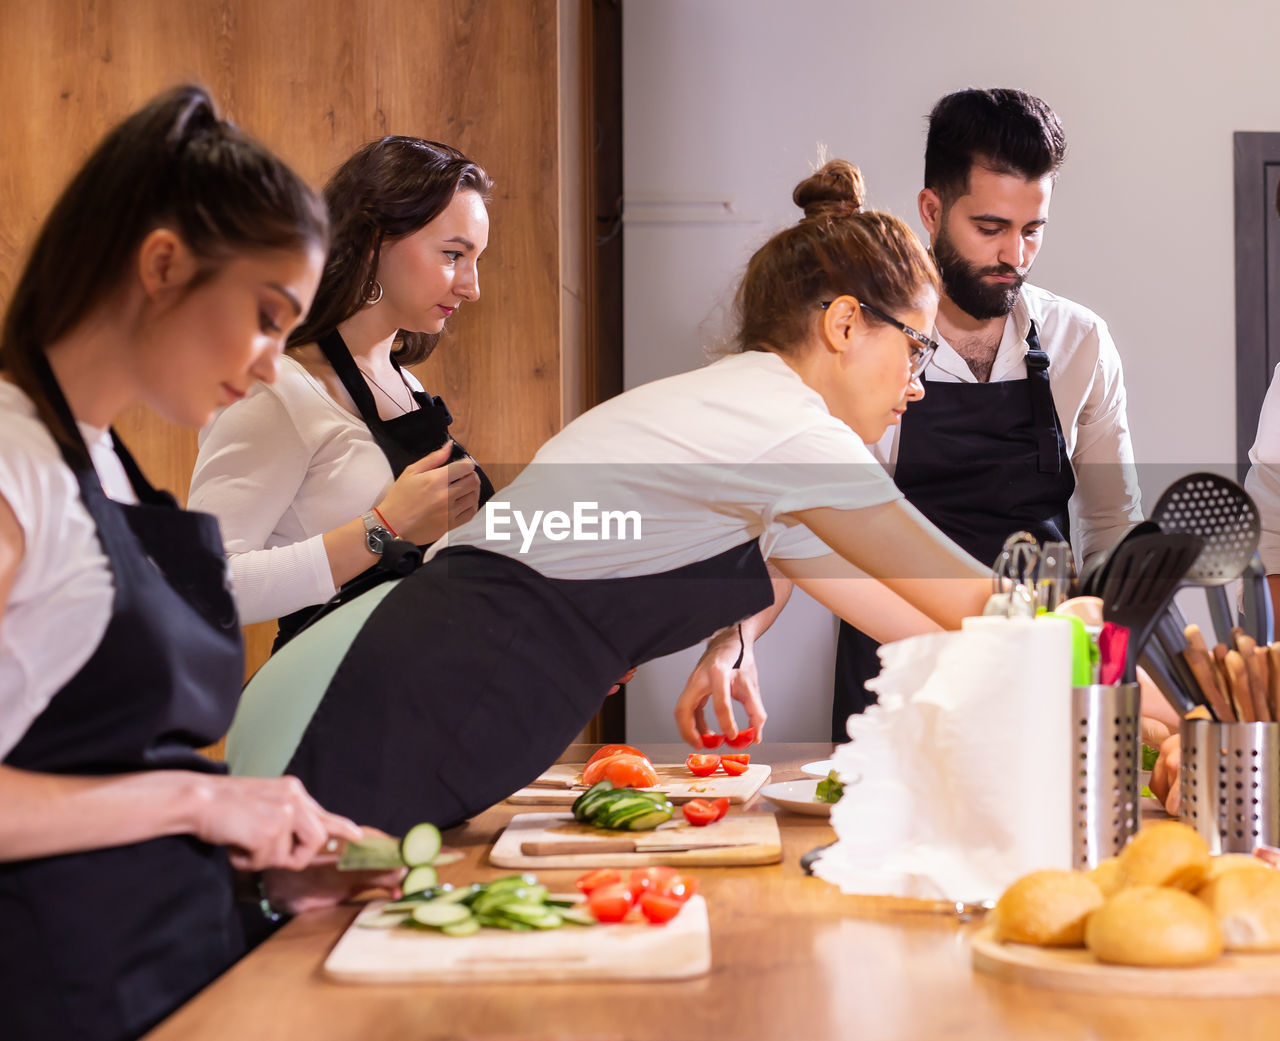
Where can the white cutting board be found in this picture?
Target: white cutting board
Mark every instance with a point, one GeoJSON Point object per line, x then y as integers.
{"type": "Point", "coordinates": [754, 836]}
{"type": "Point", "coordinates": [677, 950]}
{"type": "Point", "coordinates": [674, 779]}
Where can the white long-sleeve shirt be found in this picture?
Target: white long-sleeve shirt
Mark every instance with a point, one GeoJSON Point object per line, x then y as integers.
{"type": "Point", "coordinates": [1087, 381]}
{"type": "Point", "coordinates": [279, 469]}
{"type": "Point", "coordinates": [1263, 480]}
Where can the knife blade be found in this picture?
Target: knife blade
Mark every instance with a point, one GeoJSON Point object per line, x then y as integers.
{"type": "Point", "coordinates": [602, 845]}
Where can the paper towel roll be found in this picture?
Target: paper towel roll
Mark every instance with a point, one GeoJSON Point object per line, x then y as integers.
{"type": "Point", "coordinates": [965, 764]}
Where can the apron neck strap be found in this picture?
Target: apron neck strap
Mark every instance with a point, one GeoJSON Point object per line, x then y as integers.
{"type": "Point", "coordinates": [1049, 460]}
{"type": "Point", "coordinates": [336, 353]}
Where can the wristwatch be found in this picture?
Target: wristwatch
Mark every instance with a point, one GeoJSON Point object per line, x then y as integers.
{"type": "Point", "coordinates": [376, 537]}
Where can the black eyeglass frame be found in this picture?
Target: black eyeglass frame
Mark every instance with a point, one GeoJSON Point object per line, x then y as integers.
{"type": "Point", "coordinates": [922, 349]}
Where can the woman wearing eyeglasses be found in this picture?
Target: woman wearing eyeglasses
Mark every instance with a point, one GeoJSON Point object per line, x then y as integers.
{"type": "Point", "coordinates": [645, 525]}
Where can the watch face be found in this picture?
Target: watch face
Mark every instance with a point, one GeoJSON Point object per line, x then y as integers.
{"type": "Point", "coordinates": [377, 539]}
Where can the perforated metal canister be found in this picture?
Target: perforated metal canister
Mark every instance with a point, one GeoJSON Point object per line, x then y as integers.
{"type": "Point", "coordinates": [1106, 758]}
{"type": "Point", "coordinates": [1230, 779]}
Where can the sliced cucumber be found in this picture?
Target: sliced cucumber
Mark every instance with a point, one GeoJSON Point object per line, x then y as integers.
{"type": "Point", "coordinates": [383, 920]}
{"type": "Point", "coordinates": [422, 877]}
{"type": "Point", "coordinates": [469, 927]}
{"type": "Point", "coordinates": [420, 845]}
{"type": "Point", "coordinates": [373, 853]}
{"type": "Point", "coordinates": [576, 915]}
{"type": "Point", "coordinates": [449, 857]}
{"type": "Point", "coordinates": [438, 914]}
{"type": "Point", "coordinates": [586, 804]}
{"type": "Point", "coordinates": [645, 821]}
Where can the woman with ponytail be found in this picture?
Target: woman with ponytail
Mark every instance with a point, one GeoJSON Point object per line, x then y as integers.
{"type": "Point", "coordinates": [647, 524]}
{"type": "Point", "coordinates": [168, 273]}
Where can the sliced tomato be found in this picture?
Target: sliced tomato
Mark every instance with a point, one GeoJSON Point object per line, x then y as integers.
{"type": "Point", "coordinates": [607, 750]}
{"type": "Point", "coordinates": [598, 878]}
{"type": "Point", "coordinates": [594, 772]}
{"type": "Point", "coordinates": [721, 806]}
{"type": "Point", "coordinates": [732, 767]}
{"type": "Point", "coordinates": [712, 740]}
{"type": "Point", "coordinates": [628, 771]}
{"type": "Point", "coordinates": [659, 879]}
{"type": "Point", "coordinates": [702, 765]}
{"type": "Point", "coordinates": [610, 903]}
{"type": "Point", "coordinates": [660, 908]}
{"type": "Point", "coordinates": [745, 736]}
{"type": "Point", "coordinates": [699, 812]}
{"type": "Point", "coordinates": [738, 757]}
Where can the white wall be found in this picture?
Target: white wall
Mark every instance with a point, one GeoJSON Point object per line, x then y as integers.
{"type": "Point", "coordinates": [731, 98]}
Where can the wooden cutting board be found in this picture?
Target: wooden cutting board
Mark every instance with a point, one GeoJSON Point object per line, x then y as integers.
{"type": "Point", "coordinates": [677, 950]}
{"type": "Point", "coordinates": [1231, 975]}
{"type": "Point", "coordinates": [754, 836]}
{"type": "Point", "coordinates": [673, 778]}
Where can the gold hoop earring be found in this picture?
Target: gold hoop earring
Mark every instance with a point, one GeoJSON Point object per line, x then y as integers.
{"type": "Point", "coordinates": [372, 292]}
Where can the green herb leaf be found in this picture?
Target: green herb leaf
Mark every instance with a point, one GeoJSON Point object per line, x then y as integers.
{"type": "Point", "coordinates": [829, 789]}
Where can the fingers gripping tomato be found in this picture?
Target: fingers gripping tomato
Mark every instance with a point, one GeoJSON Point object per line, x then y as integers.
{"type": "Point", "coordinates": [745, 736]}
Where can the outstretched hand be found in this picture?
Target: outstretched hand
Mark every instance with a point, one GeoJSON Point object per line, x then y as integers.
{"type": "Point", "coordinates": [715, 679]}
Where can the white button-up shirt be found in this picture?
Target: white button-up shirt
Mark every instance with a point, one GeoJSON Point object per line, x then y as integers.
{"type": "Point", "coordinates": [1263, 482]}
{"type": "Point", "coordinates": [1087, 381]}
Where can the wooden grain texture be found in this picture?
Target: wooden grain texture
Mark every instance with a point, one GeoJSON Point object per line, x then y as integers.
{"type": "Point", "coordinates": [314, 81]}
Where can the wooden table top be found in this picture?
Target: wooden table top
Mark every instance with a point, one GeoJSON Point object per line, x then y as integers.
{"type": "Point", "coordinates": [793, 959]}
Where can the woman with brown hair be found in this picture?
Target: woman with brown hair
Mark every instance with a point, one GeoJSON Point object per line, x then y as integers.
{"type": "Point", "coordinates": [315, 478]}
{"type": "Point", "coordinates": [168, 273]}
{"type": "Point", "coordinates": [639, 529]}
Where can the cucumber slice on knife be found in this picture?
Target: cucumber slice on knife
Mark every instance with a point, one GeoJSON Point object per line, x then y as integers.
{"type": "Point", "coordinates": [420, 845]}
{"type": "Point", "coordinates": [372, 853]}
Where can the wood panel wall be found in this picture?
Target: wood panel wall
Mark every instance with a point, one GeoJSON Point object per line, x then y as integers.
{"type": "Point", "coordinates": [314, 79]}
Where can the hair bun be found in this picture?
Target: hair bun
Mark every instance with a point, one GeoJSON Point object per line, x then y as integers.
{"type": "Point", "coordinates": [836, 190]}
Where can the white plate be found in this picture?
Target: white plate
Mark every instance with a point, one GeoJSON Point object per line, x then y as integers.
{"type": "Point", "coordinates": [797, 796]}
{"type": "Point", "coordinates": [819, 769]}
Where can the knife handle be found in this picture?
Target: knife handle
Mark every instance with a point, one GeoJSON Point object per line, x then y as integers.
{"type": "Point", "coordinates": [602, 845]}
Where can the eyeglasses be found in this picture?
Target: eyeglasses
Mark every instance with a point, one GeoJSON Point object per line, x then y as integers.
{"type": "Point", "coordinates": [921, 348]}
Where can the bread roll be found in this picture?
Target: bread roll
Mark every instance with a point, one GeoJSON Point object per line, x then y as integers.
{"type": "Point", "coordinates": [1108, 876]}
{"type": "Point", "coordinates": [1165, 853]}
{"type": "Point", "coordinates": [1153, 926]}
{"type": "Point", "coordinates": [1246, 903]}
{"type": "Point", "coordinates": [1224, 862]}
{"type": "Point", "coordinates": [1047, 908]}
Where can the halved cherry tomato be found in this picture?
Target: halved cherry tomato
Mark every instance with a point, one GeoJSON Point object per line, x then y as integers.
{"type": "Point", "coordinates": [699, 812]}
{"type": "Point", "coordinates": [594, 880]}
{"type": "Point", "coordinates": [745, 736]}
{"type": "Point", "coordinates": [738, 757]}
{"type": "Point", "coordinates": [721, 806]}
{"type": "Point", "coordinates": [732, 767]}
{"type": "Point", "coordinates": [702, 765]}
{"type": "Point", "coordinates": [659, 879]}
{"type": "Point", "coordinates": [607, 750]}
{"type": "Point", "coordinates": [682, 888]}
{"type": "Point", "coordinates": [712, 740]}
{"type": "Point", "coordinates": [610, 903]}
{"type": "Point", "coordinates": [660, 908]}
{"type": "Point", "coordinates": [629, 771]}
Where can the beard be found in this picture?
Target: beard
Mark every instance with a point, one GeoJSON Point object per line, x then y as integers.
{"type": "Point", "coordinates": [963, 283]}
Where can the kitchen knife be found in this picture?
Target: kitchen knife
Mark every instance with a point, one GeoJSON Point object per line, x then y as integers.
{"type": "Point", "coordinates": [602, 845]}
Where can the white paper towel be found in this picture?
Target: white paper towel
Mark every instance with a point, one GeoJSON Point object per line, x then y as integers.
{"type": "Point", "coordinates": [962, 772]}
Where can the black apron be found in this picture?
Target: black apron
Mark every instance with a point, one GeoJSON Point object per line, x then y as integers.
{"type": "Point", "coordinates": [403, 440]}
{"type": "Point", "coordinates": [980, 460]}
{"type": "Point", "coordinates": [100, 946]}
{"type": "Point", "coordinates": [476, 672]}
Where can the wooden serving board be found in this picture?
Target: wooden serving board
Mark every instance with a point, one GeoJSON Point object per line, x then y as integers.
{"type": "Point", "coordinates": [754, 836]}
{"type": "Point", "coordinates": [674, 780]}
{"type": "Point", "coordinates": [1231, 975]}
{"type": "Point", "coordinates": [677, 950]}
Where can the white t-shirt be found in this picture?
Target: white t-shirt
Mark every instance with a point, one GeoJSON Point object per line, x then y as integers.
{"type": "Point", "coordinates": [1087, 381]}
{"type": "Point", "coordinates": [693, 465]}
{"type": "Point", "coordinates": [279, 469]}
{"type": "Point", "coordinates": [61, 598]}
{"type": "Point", "coordinates": [1263, 480]}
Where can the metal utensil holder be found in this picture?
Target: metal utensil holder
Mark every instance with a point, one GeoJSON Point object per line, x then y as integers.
{"type": "Point", "coordinates": [1105, 760]}
{"type": "Point", "coordinates": [1230, 780]}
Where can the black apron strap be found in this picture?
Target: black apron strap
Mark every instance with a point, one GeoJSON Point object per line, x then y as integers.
{"type": "Point", "coordinates": [1048, 436]}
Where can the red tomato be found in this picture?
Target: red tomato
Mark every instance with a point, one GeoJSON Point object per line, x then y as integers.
{"type": "Point", "coordinates": [658, 879]}
{"type": "Point", "coordinates": [702, 765]}
{"type": "Point", "coordinates": [737, 757]}
{"type": "Point", "coordinates": [699, 812]}
{"type": "Point", "coordinates": [594, 880]}
{"type": "Point", "coordinates": [660, 908]}
{"type": "Point", "coordinates": [628, 771]}
{"type": "Point", "coordinates": [607, 750]}
{"type": "Point", "coordinates": [682, 888]}
{"type": "Point", "coordinates": [712, 740]}
{"type": "Point", "coordinates": [721, 806]}
{"type": "Point", "coordinates": [745, 736]}
{"type": "Point", "coordinates": [594, 772]}
{"type": "Point", "coordinates": [610, 903]}
{"type": "Point", "coordinates": [733, 768]}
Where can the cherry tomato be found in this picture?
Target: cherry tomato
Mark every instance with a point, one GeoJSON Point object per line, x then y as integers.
{"type": "Point", "coordinates": [629, 771]}
{"type": "Point", "coordinates": [682, 888]}
{"type": "Point", "coordinates": [702, 765]}
{"type": "Point", "coordinates": [660, 908]}
{"type": "Point", "coordinates": [745, 736]}
{"type": "Point", "coordinates": [737, 757]}
{"type": "Point", "coordinates": [659, 879]}
{"type": "Point", "coordinates": [610, 903]}
{"type": "Point", "coordinates": [721, 806]}
{"type": "Point", "coordinates": [699, 812]}
{"type": "Point", "coordinates": [607, 750]}
{"type": "Point", "coordinates": [732, 767]}
{"type": "Point", "coordinates": [712, 740]}
{"type": "Point", "coordinates": [594, 880]}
